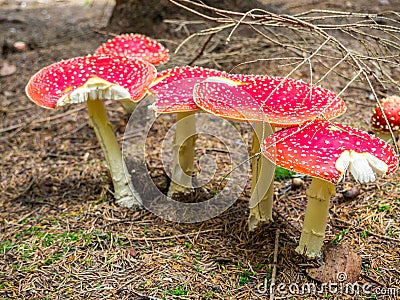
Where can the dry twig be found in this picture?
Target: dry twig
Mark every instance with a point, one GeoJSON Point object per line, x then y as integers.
{"type": "Point", "coordinates": [361, 48]}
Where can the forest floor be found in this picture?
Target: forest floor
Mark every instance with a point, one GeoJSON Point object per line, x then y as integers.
{"type": "Point", "coordinates": [62, 236]}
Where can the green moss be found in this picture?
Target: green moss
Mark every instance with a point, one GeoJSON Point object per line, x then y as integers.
{"type": "Point", "coordinates": [178, 291]}
{"type": "Point", "coordinates": [6, 246]}
{"type": "Point", "coordinates": [340, 236]}
{"type": "Point", "coordinates": [52, 259]}
{"type": "Point", "coordinates": [281, 173]}
{"type": "Point", "coordinates": [244, 277]}
{"type": "Point", "coordinates": [384, 207]}
{"type": "Point", "coordinates": [208, 295]}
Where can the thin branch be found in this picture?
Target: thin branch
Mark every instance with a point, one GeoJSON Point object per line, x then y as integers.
{"type": "Point", "coordinates": [365, 44]}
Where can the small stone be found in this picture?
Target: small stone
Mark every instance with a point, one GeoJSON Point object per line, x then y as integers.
{"type": "Point", "coordinates": [20, 46]}
{"type": "Point", "coordinates": [297, 183]}
{"type": "Point", "coordinates": [351, 193]}
{"type": "Point", "coordinates": [371, 97]}
{"type": "Point", "coordinates": [7, 69]}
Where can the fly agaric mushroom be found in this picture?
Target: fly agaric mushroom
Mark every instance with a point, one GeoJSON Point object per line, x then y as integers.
{"type": "Point", "coordinates": [134, 46]}
{"type": "Point", "coordinates": [268, 102]}
{"type": "Point", "coordinates": [326, 151]}
{"type": "Point", "coordinates": [173, 89]}
{"type": "Point", "coordinates": [391, 108]}
{"type": "Point", "coordinates": [92, 79]}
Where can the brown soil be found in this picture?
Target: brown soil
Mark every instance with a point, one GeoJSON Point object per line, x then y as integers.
{"type": "Point", "coordinates": [62, 236]}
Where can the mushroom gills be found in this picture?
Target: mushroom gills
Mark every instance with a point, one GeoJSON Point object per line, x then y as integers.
{"type": "Point", "coordinates": [362, 166]}
{"type": "Point", "coordinates": [95, 88]}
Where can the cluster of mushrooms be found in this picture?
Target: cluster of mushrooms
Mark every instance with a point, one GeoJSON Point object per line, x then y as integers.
{"type": "Point", "coordinates": [123, 69]}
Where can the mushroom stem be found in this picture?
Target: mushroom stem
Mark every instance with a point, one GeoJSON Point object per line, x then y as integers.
{"type": "Point", "coordinates": [262, 187]}
{"type": "Point", "coordinates": [312, 236]}
{"type": "Point", "coordinates": [128, 105]}
{"type": "Point", "coordinates": [105, 134]}
{"type": "Point", "coordinates": [183, 148]}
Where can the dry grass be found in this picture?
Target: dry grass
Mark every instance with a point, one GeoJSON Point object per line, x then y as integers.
{"type": "Point", "coordinates": [61, 236]}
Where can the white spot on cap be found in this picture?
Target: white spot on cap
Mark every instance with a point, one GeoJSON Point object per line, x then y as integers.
{"type": "Point", "coordinates": [218, 79]}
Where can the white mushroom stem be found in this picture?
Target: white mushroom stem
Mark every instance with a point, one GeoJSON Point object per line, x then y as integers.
{"type": "Point", "coordinates": [128, 105]}
{"type": "Point", "coordinates": [105, 134]}
{"type": "Point", "coordinates": [183, 151]}
{"type": "Point", "coordinates": [262, 186]}
{"type": "Point", "coordinates": [312, 236]}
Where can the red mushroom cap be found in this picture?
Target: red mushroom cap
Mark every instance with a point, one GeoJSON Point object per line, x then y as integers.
{"type": "Point", "coordinates": [280, 101]}
{"type": "Point", "coordinates": [135, 46]}
{"type": "Point", "coordinates": [391, 107]}
{"type": "Point", "coordinates": [76, 79]}
{"type": "Point", "coordinates": [174, 87]}
{"type": "Point", "coordinates": [326, 150]}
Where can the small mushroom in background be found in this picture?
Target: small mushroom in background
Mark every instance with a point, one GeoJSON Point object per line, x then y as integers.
{"type": "Point", "coordinates": [134, 46]}
{"type": "Point", "coordinates": [173, 89]}
{"type": "Point", "coordinates": [268, 102]}
{"type": "Point", "coordinates": [391, 108]}
{"type": "Point", "coordinates": [93, 79]}
{"type": "Point", "coordinates": [326, 151]}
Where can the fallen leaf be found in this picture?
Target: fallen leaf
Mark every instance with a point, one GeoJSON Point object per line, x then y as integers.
{"type": "Point", "coordinates": [341, 264]}
{"type": "Point", "coordinates": [7, 69]}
